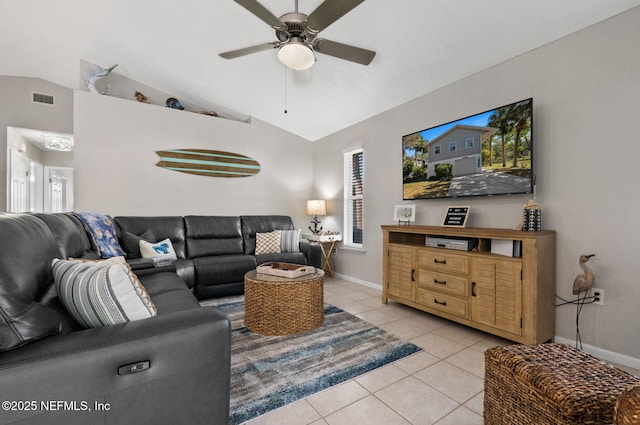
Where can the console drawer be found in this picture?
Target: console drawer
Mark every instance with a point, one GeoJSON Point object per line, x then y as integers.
{"type": "Point", "coordinates": [443, 260]}
{"type": "Point", "coordinates": [453, 284]}
{"type": "Point", "coordinates": [446, 303]}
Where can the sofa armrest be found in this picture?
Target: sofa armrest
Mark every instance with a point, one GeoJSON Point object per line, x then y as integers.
{"type": "Point", "coordinates": [313, 252]}
{"type": "Point", "coordinates": [141, 263]}
{"type": "Point", "coordinates": [146, 266]}
{"type": "Point", "coordinates": [187, 379]}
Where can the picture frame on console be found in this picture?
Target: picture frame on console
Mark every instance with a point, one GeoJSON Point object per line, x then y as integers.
{"type": "Point", "coordinates": [404, 214]}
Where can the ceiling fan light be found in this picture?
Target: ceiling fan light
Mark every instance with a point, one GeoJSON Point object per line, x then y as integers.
{"type": "Point", "coordinates": [296, 55]}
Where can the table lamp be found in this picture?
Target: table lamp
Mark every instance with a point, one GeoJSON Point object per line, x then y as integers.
{"type": "Point", "coordinates": [316, 207]}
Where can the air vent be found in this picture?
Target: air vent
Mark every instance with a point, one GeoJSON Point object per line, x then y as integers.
{"type": "Point", "coordinates": [47, 99]}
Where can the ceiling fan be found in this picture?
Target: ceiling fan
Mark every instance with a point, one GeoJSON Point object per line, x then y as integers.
{"type": "Point", "coordinates": [297, 35]}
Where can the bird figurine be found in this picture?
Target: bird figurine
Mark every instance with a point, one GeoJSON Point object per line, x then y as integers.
{"type": "Point", "coordinates": [584, 282]}
{"type": "Point", "coordinates": [140, 97]}
{"type": "Point", "coordinates": [97, 73]}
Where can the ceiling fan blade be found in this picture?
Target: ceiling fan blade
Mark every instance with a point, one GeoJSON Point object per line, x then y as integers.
{"type": "Point", "coordinates": [344, 51]}
{"type": "Point", "coordinates": [261, 12]}
{"type": "Point", "coordinates": [329, 12]}
{"type": "Point", "coordinates": [232, 54]}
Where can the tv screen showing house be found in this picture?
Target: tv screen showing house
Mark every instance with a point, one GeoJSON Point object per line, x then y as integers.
{"type": "Point", "coordinates": [490, 153]}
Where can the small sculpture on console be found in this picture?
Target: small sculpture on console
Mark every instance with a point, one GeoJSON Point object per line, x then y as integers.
{"type": "Point", "coordinates": [530, 217]}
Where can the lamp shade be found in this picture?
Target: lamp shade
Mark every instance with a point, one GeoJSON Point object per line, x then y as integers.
{"type": "Point", "coordinates": [317, 207]}
{"type": "Point", "coordinates": [296, 55]}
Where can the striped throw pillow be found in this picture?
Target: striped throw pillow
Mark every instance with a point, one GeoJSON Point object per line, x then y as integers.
{"type": "Point", "coordinates": [290, 240]}
{"type": "Point", "coordinates": [101, 293]}
{"type": "Point", "coordinates": [268, 243]}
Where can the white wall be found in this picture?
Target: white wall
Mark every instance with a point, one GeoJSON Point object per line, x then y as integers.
{"type": "Point", "coordinates": [115, 171]}
{"type": "Point", "coordinates": [586, 94]}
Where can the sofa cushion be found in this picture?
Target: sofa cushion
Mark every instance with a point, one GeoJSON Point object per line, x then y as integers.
{"type": "Point", "coordinates": [221, 269]}
{"type": "Point", "coordinates": [26, 310]}
{"type": "Point", "coordinates": [171, 227]}
{"type": "Point", "coordinates": [101, 293]}
{"type": "Point", "coordinates": [169, 293]}
{"type": "Point", "coordinates": [268, 243]}
{"type": "Point", "coordinates": [252, 224]}
{"type": "Point", "coordinates": [213, 235]}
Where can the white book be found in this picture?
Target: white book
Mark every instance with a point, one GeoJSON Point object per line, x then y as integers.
{"type": "Point", "coordinates": [502, 247]}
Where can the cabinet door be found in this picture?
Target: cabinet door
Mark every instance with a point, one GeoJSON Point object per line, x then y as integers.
{"type": "Point", "coordinates": [496, 293]}
{"type": "Point", "coordinates": [402, 272]}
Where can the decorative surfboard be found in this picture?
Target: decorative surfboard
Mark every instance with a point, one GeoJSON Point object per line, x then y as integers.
{"type": "Point", "coordinates": [205, 162]}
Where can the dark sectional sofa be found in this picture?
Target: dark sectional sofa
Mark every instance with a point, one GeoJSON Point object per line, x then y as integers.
{"type": "Point", "coordinates": [214, 252]}
{"type": "Point", "coordinates": [52, 371]}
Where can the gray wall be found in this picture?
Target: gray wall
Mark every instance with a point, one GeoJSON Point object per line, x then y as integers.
{"type": "Point", "coordinates": [586, 95]}
{"type": "Point", "coordinates": [17, 110]}
{"type": "Point", "coordinates": [115, 171]}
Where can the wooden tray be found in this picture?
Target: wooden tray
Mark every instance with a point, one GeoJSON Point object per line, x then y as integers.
{"type": "Point", "coordinates": [285, 269]}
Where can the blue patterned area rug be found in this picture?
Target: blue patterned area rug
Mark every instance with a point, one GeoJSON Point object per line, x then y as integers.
{"type": "Point", "coordinates": [268, 372]}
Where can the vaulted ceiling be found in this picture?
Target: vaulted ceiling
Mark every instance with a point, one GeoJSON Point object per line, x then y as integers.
{"type": "Point", "coordinates": [421, 45]}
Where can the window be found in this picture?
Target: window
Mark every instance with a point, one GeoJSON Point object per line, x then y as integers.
{"type": "Point", "coordinates": [436, 150]}
{"type": "Point", "coordinates": [468, 143]}
{"type": "Point", "coordinates": [453, 146]}
{"type": "Point", "coordinates": [353, 197]}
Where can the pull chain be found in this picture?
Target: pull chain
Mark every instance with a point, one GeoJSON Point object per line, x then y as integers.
{"type": "Point", "coordinates": [285, 89]}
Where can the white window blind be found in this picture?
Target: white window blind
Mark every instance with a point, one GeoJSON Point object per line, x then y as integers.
{"type": "Point", "coordinates": [353, 197]}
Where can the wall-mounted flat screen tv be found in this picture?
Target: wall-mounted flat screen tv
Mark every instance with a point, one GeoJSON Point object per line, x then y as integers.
{"type": "Point", "coordinates": [490, 153]}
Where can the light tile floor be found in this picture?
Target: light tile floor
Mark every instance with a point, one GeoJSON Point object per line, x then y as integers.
{"type": "Point", "coordinates": [441, 385]}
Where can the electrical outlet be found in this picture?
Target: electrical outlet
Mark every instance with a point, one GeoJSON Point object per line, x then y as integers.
{"type": "Point", "coordinates": [599, 296]}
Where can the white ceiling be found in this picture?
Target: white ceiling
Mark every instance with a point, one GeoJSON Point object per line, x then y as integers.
{"type": "Point", "coordinates": [39, 137]}
{"type": "Point", "coordinates": [421, 45]}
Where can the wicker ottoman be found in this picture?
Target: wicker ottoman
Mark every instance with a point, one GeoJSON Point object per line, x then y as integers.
{"type": "Point", "coordinates": [628, 408]}
{"type": "Point", "coordinates": [281, 306]}
{"type": "Point", "coordinates": [550, 384]}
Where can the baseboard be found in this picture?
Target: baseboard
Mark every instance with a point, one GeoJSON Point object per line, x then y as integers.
{"type": "Point", "coordinates": [609, 356]}
{"type": "Point", "coordinates": [606, 355]}
{"type": "Point", "coordinates": [359, 281]}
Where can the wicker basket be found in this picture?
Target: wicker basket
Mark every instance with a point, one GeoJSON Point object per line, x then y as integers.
{"type": "Point", "coordinates": [627, 411]}
{"type": "Point", "coordinates": [550, 384]}
{"type": "Point", "coordinates": [281, 306]}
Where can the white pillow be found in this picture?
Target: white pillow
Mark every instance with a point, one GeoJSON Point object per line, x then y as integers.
{"type": "Point", "coordinates": [268, 243]}
{"type": "Point", "coordinates": [290, 240]}
{"type": "Point", "coordinates": [101, 293]}
{"type": "Point", "coordinates": [159, 251]}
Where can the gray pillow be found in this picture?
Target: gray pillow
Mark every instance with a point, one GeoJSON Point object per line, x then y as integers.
{"type": "Point", "coordinates": [131, 242]}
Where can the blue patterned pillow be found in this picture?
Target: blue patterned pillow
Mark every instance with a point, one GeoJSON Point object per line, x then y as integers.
{"type": "Point", "coordinates": [100, 229]}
